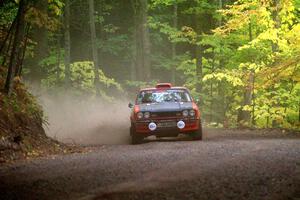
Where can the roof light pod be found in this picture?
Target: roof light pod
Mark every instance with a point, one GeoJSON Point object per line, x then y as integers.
{"type": "Point", "coordinates": [163, 85]}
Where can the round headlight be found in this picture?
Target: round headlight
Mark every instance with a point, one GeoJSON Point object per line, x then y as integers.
{"type": "Point", "coordinates": [146, 115]}
{"type": "Point", "coordinates": [139, 115]}
{"type": "Point", "coordinates": [192, 113]}
{"type": "Point", "coordinates": [185, 113]}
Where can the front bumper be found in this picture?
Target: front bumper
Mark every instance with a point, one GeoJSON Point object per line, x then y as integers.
{"type": "Point", "coordinates": [141, 127]}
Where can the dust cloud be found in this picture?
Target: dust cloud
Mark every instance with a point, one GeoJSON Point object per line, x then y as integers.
{"type": "Point", "coordinates": [85, 121]}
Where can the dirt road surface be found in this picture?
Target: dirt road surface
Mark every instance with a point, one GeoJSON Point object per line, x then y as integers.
{"type": "Point", "coordinates": [227, 164]}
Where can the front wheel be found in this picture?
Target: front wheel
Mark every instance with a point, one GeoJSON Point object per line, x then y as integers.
{"type": "Point", "coordinates": [197, 135]}
{"type": "Point", "coordinates": [135, 138]}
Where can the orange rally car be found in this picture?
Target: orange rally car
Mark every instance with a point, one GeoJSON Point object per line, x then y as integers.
{"type": "Point", "coordinates": [164, 111]}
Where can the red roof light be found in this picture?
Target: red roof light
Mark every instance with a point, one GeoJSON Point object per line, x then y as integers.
{"type": "Point", "coordinates": [163, 85]}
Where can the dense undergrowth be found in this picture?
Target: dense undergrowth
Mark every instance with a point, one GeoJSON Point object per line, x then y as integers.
{"type": "Point", "coordinates": [21, 126]}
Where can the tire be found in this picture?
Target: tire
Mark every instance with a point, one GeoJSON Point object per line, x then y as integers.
{"type": "Point", "coordinates": [197, 135]}
{"type": "Point", "coordinates": [135, 138]}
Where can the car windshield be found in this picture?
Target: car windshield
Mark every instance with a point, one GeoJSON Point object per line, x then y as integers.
{"type": "Point", "coordinates": [159, 96]}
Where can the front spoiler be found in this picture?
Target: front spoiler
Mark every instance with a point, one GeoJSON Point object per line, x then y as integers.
{"type": "Point", "coordinates": [190, 126]}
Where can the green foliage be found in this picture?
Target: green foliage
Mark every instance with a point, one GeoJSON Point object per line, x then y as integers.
{"type": "Point", "coordinates": [56, 6]}
{"type": "Point", "coordinates": [114, 45]}
{"type": "Point", "coordinates": [248, 39]}
{"type": "Point", "coordinates": [272, 55]}
{"type": "Point", "coordinates": [249, 49]}
{"type": "Point", "coordinates": [82, 78]}
{"type": "Point", "coordinates": [7, 13]}
{"type": "Point", "coordinates": [231, 77]}
{"type": "Point", "coordinates": [20, 102]}
{"type": "Point", "coordinates": [186, 34]}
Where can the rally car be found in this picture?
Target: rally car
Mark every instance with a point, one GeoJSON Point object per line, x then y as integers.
{"type": "Point", "coordinates": [164, 111]}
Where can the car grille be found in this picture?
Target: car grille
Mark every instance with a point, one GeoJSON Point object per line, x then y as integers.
{"type": "Point", "coordinates": [166, 114]}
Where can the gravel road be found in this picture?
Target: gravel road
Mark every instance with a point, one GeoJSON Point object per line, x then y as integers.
{"type": "Point", "coordinates": [227, 164]}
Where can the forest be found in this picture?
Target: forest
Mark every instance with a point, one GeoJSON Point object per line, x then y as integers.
{"type": "Point", "coordinates": [240, 58]}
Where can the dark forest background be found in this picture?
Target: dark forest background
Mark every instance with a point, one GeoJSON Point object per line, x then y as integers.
{"type": "Point", "coordinates": [239, 58]}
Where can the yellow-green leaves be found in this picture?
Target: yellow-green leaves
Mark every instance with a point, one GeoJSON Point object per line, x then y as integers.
{"type": "Point", "coordinates": [231, 77]}
{"type": "Point", "coordinates": [56, 6]}
{"type": "Point", "coordinates": [82, 79]}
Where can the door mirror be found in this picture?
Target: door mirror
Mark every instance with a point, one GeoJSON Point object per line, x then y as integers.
{"type": "Point", "coordinates": [130, 105]}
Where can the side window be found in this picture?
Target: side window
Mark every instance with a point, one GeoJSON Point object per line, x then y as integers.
{"type": "Point", "coordinates": [144, 97]}
{"type": "Point", "coordinates": [147, 98]}
{"type": "Point", "coordinates": [140, 97]}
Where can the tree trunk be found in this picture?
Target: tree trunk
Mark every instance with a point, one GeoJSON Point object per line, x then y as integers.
{"type": "Point", "coordinates": [275, 6]}
{"type": "Point", "coordinates": [139, 43]}
{"type": "Point", "coordinates": [275, 10]}
{"type": "Point", "coordinates": [198, 55]}
{"type": "Point", "coordinates": [8, 48]}
{"type": "Point", "coordinates": [21, 53]}
{"type": "Point", "coordinates": [175, 24]}
{"type": "Point", "coordinates": [142, 42]}
{"type": "Point", "coordinates": [58, 60]}
{"type": "Point", "coordinates": [253, 98]}
{"type": "Point", "coordinates": [101, 35]}
{"type": "Point", "coordinates": [221, 89]}
{"type": "Point", "coordinates": [299, 112]}
{"type": "Point", "coordinates": [67, 44]}
{"type": "Point", "coordinates": [244, 116]}
{"type": "Point", "coordinates": [40, 36]}
{"type": "Point", "coordinates": [16, 47]}
{"type": "Point", "coordinates": [252, 79]}
{"type": "Point", "coordinates": [133, 66]}
{"type": "Point", "coordinates": [221, 107]}
{"type": "Point", "coordinates": [145, 40]}
{"type": "Point", "coordinates": [220, 7]}
{"type": "Point", "coordinates": [94, 44]}
{"type": "Point", "coordinates": [199, 68]}
{"type": "Point", "coordinates": [211, 92]}
{"type": "Point", "coordinates": [7, 37]}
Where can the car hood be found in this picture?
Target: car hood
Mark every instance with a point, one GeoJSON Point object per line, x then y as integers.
{"type": "Point", "coordinates": [166, 106]}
